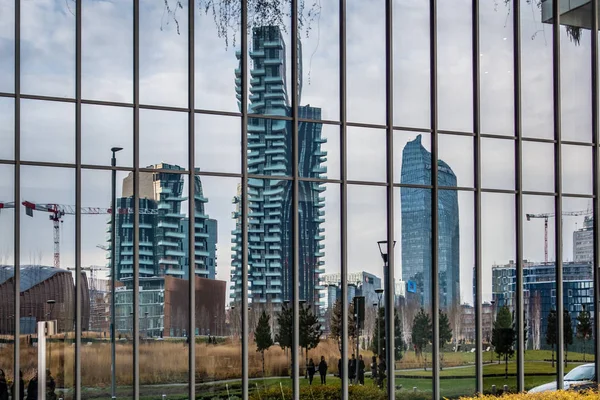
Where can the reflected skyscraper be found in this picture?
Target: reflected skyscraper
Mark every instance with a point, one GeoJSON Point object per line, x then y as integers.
{"type": "Point", "coordinates": [416, 226]}
{"type": "Point", "coordinates": [270, 228]}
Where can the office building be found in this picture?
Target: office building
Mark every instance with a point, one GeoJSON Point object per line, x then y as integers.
{"type": "Point", "coordinates": [583, 241]}
{"type": "Point", "coordinates": [270, 200]}
{"type": "Point", "coordinates": [416, 226]}
{"type": "Point", "coordinates": [359, 284]}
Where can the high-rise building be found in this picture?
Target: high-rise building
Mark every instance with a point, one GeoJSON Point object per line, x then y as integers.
{"type": "Point", "coordinates": [270, 216]}
{"type": "Point", "coordinates": [163, 232]}
{"type": "Point", "coordinates": [583, 241]}
{"type": "Point", "coordinates": [416, 226]}
{"type": "Point", "coordinates": [359, 284]}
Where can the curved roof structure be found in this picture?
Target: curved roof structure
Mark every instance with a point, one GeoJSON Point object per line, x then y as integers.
{"type": "Point", "coordinates": [31, 275]}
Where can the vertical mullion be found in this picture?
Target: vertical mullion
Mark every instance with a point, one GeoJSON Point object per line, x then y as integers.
{"type": "Point", "coordinates": [136, 198]}
{"type": "Point", "coordinates": [295, 218]}
{"type": "Point", "coordinates": [596, 186]}
{"type": "Point", "coordinates": [244, 195]}
{"type": "Point", "coordinates": [558, 190]}
{"type": "Point", "coordinates": [16, 199]}
{"type": "Point", "coordinates": [477, 210]}
{"type": "Point", "coordinates": [519, 194]}
{"type": "Point", "coordinates": [78, 274]}
{"type": "Point", "coordinates": [389, 289]}
{"type": "Point", "coordinates": [435, 347]}
{"type": "Point", "coordinates": [191, 206]}
{"type": "Point", "coordinates": [344, 194]}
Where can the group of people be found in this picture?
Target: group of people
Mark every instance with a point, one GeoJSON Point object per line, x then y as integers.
{"type": "Point", "coordinates": [32, 387]}
{"type": "Point", "coordinates": [378, 370]}
{"type": "Point", "coordinates": [352, 369]}
{"type": "Point", "coordinates": [312, 369]}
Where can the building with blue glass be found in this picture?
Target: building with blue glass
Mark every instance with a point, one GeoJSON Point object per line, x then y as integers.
{"type": "Point", "coordinates": [416, 226]}
{"type": "Point", "coordinates": [270, 229]}
{"type": "Point", "coordinates": [163, 230]}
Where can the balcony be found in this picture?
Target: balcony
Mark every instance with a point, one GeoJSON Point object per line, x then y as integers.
{"type": "Point", "coordinates": [576, 13]}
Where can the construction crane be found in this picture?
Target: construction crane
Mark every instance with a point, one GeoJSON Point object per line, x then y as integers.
{"type": "Point", "coordinates": [8, 204]}
{"type": "Point", "coordinates": [58, 211]}
{"type": "Point", "coordinates": [547, 216]}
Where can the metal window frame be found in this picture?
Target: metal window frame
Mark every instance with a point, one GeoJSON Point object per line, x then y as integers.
{"type": "Point", "coordinates": [595, 181]}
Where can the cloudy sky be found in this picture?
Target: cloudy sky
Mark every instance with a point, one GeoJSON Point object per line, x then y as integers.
{"type": "Point", "coordinates": [48, 128]}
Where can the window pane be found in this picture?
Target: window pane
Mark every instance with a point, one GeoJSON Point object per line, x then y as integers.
{"type": "Point", "coordinates": [107, 51]}
{"type": "Point", "coordinates": [538, 167]}
{"type": "Point", "coordinates": [412, 158]}
{"type": "Point", "coordinates": [7, 128]}
{"type": "Point", "coordinates": [7, 268]}
{"type": "Point", "coordinates": [163, 138]}
{"type": "Point", "coordinates": [456, 160]}
{"type": "Point", "coordinates": [47, 278]}
{"type": "Point", "coordinates": [48, 48]}
{"type": "Point", "coordinates": [577, 169]}
{"type": "Point", "coordinates": [104, 128]}
{"type": "Point", "coordinates": [366, 154]}
{"type": "Point", "coordinates": [318, 150]}
{"type": "Point", "coordinates": [163, 53]}
{"type": "Point", "coordinates": [47, 131]}
{"type": "Point", "coordinates": [96, 241]}
{"type": "Point", "coordinates": [497, 164]}
{"type": "Point", "coordinates": [218, 143]}
{"type": "Point", "coordinates": [7, 50]}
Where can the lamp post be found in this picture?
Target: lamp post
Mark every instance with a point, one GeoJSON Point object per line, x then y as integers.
{"type": "Point", "coordinates": [379, 294]}
{"type": "Point", "coordinates": [113, 255]}
{"type": "Point", "coordinates": [388, 299]}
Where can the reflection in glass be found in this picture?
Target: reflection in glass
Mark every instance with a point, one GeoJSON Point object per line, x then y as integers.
{"type": "Point", "coordinates": [365, 64]}
{"type": "Point", "coordinates": [7, 302]}
{"type": "Point", "coordinates": [497, 164]}
{"type": "Point", "coordinates": [411, 74]}
{"type": "Point", "coordinates": [47, 131]}
{"type": "Point", "coordinates": [412, 152]}
{"type": "Point", "coordinates": [47, 279]}
{"type": "Point", "coordinates": [456, 151]}
{"type": "Point", "coordinates": [48, 48]}
{"type": "Point", "coordinates": [163, 138]}
{"type": "Point", "coordinates": [413, 268]}
{"type": "Point", "coordinates": [496, 65]}
{"type": "Point", "coordinates": [163, 53]}
{"type": "Point", "coordinates": [218, 144]}
{"type": "Point", "coordinates": [7, 128]}
{"type": "Point", "coordinates": [97, 360]}
{"type": "Point", "coordinates": [366, 154]}
{"type": "Point", "coordinates": [539, 288]}
{"type": "Point", "coordinates": [538, 167]}
{"type": "Point", "coordinates": [104, 128]}
{"type": "Point", "coordinates": [107, 51]}
{"type": "Point", "coordinates": [7, 61]}
{"type": "Point", "coordinates": [319, 151]}
{"type": "Point", "coordinates": [577, 169]}
{"type": "Point", "coordinates": [498, 239]}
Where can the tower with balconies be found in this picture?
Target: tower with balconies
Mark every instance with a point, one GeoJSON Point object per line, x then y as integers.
{"type": "Point", "coordinates": [270, 240]}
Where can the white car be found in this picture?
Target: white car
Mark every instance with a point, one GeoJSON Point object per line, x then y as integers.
{"type": "Point", "coordinates": [579, 376]}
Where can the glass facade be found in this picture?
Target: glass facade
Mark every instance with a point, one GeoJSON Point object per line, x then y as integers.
{"type": "Point", "coordinates": [229, 199]}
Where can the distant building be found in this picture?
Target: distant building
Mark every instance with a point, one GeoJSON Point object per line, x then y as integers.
{"type": "Point", "coordinates": [164, 307]}
{"type": "Point", "coordinates": [583, 241]}
{"type": "Point", "coordinates": [38, 285]}
{"type": "Point", "coordinates": [359, 284]}
{"type": "Point", "coordinates": [540, 292]}
{"type": "Point", "coordinates": [416, 226]}
{"type": "Point", "coordinates": [163, 229]}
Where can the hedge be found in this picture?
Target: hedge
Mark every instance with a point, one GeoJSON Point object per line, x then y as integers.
{"type": "Point", "coordinates": [556, 395]}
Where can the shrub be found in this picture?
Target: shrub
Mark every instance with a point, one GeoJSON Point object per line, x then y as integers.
{"type": "Point", "coordinates": [318, 392]}
{"type": "Point", "coordinates": [557, 395]}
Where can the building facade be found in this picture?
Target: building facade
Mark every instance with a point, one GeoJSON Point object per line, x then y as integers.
{"type": "Point", "coordinates": [270, 200]}
{"type": "Point", "coordinates": [416, 226]}
{"type": "Point", "coordinates": [361, 283]}
{"type": "Point", "coordinates": [583, 241]}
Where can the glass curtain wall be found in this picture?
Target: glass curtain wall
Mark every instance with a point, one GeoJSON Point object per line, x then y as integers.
{"type": "Point", "coordinates": [208, 199]}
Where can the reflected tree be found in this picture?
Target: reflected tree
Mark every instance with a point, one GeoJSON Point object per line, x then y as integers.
{"type": "Point", "coordinates": [263, 337]}
{"type": "Point", "coordinates": [379, 334]}
{"type": "Point", "coordinates": [584, 328]}
{"type": "Point", "coordinates": [310, 330]}
{"type": "Point", "coordinates": [422, 332]}
{"type": "Point", "coordinates": [551, 332]}
{"type": "Point", "coordinates": [336, 324]}
{"type": "Point", "coordinates": [504, 336]}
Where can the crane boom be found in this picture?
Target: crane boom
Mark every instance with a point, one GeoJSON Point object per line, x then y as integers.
{"type": "Point", "coordinates": [8, 204]}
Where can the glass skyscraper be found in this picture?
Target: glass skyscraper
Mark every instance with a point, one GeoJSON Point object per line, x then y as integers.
{"type": "Point", "coordinates": [416, 226]}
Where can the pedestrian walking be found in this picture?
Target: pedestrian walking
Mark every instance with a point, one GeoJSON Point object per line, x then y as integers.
{"type": "Point", "coordinates": [50, 386]}
{"type": "Point", "coordinates": [323, 370]}
{"type": "Point", "coordinates": [32, 388]}
{"type": "Point", "coordinates": [311, 371]}
{"type": "Point", "coordinates": [381, 372]}
{"type": "Point", "coordinates": [352, 368]}
{"type": "Point", "coordinates": [21, 388]}
{"type": "Point", "coordinates": [374, 369]}
{"type": "Point", "coordinates": [361, 370]}
{"type": "Point", "coordinates": [340, 370]}
{"type": "Point", "coordinates": [3, 386]}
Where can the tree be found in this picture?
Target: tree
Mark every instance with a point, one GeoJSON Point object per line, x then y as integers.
{"type": "Point", "coordinates": [455, 316]}
{"type": "Point", "coordinates": [551, 332]}
{"type": "Point", "coordinates": [284, 334]}
{"type": "Point", "coordinates": [567, 333]}
{"type": "Point", "coordinates": [445, 334]}
{"type": "Point", "coordinates": [310, 330]}
{"type": "Point", "coordinates": [536, 318]}
{"type": "Point", "coordinates": [504, 336]}
{"type": "Point", "coordinates": [262, 337]}
{"type": "Point", "coordinates": [379, 333]}
{"type": "Point", "coordinates": [336, 323]}
{"type": "Point", "coordinates": [584, 328]}
{"type": "Point", "coordinates": [422, 333]}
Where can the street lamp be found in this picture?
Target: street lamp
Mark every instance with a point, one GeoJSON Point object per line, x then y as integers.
{"type": "Point", "coordinates": [113, 255]}
{"type": "Point", "coordinates": [378, 304]}
{"type": "Point", "coordinates": [388, 300]}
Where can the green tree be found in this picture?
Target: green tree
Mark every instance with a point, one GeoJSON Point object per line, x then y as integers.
{"type": "Point", "coordinates": [445, 334]}
{"type": "Point", "coordinates": [310, 330]}
{"type": "Point", "coordinates": [379, 334]}
{"type": "Point", "coordinates": [263, 337]}
{"type": "Point", "coordinates": [504, 336]}
{"type": "Point", "coordinates": [284, 334]}
{"type": "Point", "coordinates": [336, 323]}
{"type": "Point", "coordinates": [551, 332]}
{"type": "Point", "coordinates": [421, 333]}
{"type": "Point", "coordinates": [584, 328]}
{"type": "Point", "coordinates": [567, 333]}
